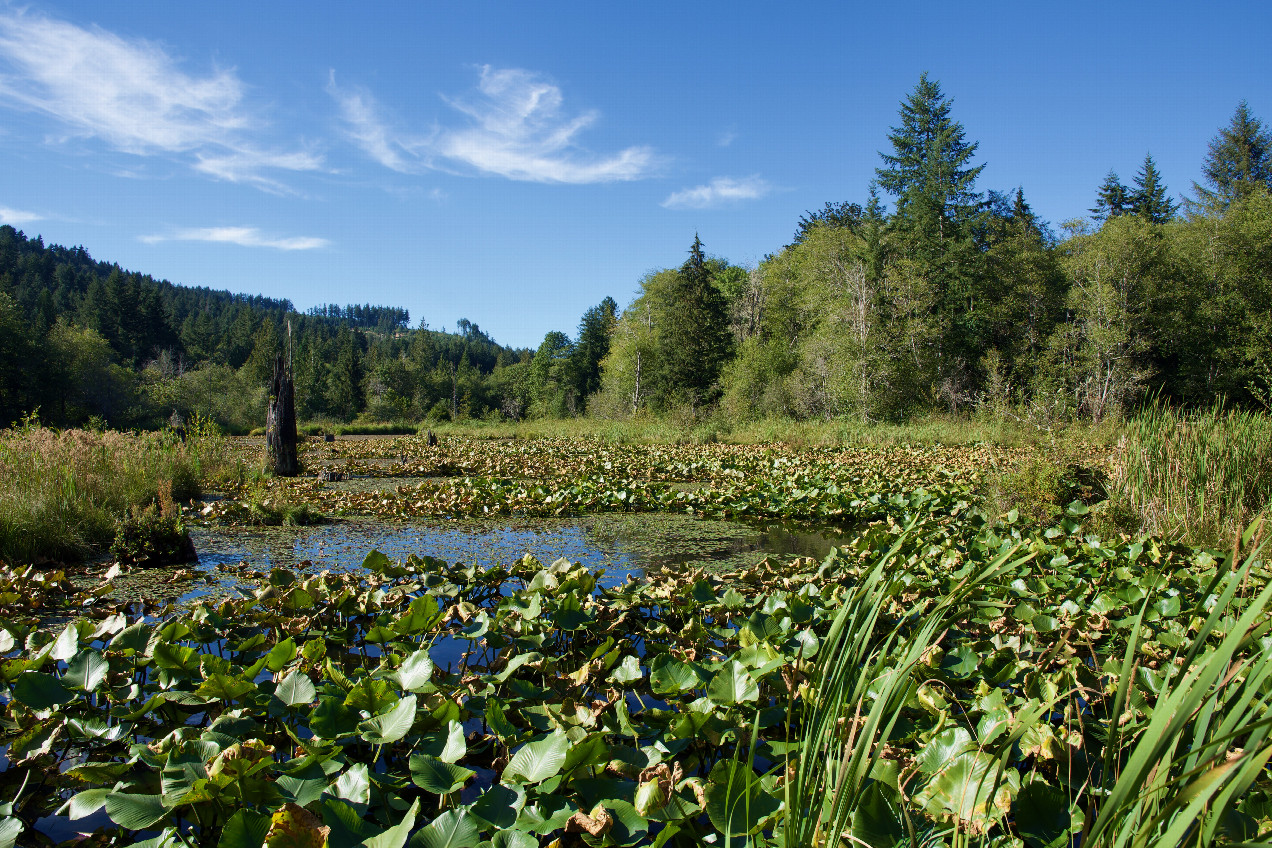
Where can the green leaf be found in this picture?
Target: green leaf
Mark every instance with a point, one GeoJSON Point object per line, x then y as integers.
{"type": "Point", "coordinates": [733, 685]}
{"type": "Point", "coordinates": [41, 691]}
{"type": "Point", "coordinates": [280, 655]}
{"type": "Point", "coordinates": [437, 776]}
{"type": "Point", "coordinates": [513, 839]}
{"type": "Point", "coordinates": [960, 662]}
{"type": "Point", "coordinates": [498, 806]}
{"type": "Point", "coordinates": [223, 687]}
{"type": "Point", "coordinates": [449, 749]}
{"type": "Point", "coordinates": [354, 786]}
{"type": "Point", "coordinates": [10, 829]}
{"type": "Point", "coordinates": [971, 787]}
{"type": "Point", "coordinates": [535, 762]}
{"type": "Point", "coordinates": [452, 829]}
{"type": "Point", "coordinates": [878, 819]}
{"type": "Point", "coordinates": [396, 836]}
{"type": "Point", "coordinates": [416, 671]}
{"type": "Point", "coordinates": [67, 644]}
{"type": "Point", "coordinates": [85, 803]}
{"type": "Point", "coordinates": [296, 689]}
{"type": "Point", "coordinates": [245, 829]}
{"type": "Point", "coordinates": [670, 676]}
{"type": "Point", "coordinates": [389, 726]}
{"type": "Point", "coordinates": [736, 803]}
{"type": "Point", "coordinates": [1042, 815]}
{"type": "Point", "coordinates": [134, 812]}
{"type": "Point", "coordinates": [945, 746]}
{"type": "Point", "coordinates": [371, 695]}
{"type": "Point", "coordinates": [627, 671]}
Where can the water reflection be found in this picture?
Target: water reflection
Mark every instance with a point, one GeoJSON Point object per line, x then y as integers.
{"type": "Point", "coordinates": [621, 544]}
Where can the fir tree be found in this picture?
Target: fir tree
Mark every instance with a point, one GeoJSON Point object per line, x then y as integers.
{"type": "Point", "coordinates": [1149, 199]}
{"type": "Point", "coordinates": [1239, 161]}
{"type": "Point", "coordinates": [696, 332]}
{"type": "Point", "coordinates": [1111, 199]}
{"type": "Point", "coordinates": [930, 171]}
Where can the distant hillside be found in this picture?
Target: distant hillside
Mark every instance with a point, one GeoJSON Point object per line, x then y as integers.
{"type": "Point", "coordinates": [82, 339]}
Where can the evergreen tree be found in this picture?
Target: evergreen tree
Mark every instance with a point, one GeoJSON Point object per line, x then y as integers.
{"type": "Point", "coordinates": [1149, 200]}
{"type": "Point", "coordinates": [1239, 161]}
{"type": "Point", "coordinates": [929, 170]}
{"type": "Point", "coordinates": [939, 217]}
{"type": "Point", "coordinates": [1111, 199]}
{"type": "Point", "coordinates": [695, 333]}
{"type": "Point", "coordinates": [595, 330]}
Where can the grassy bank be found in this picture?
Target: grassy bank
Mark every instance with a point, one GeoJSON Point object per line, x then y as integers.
{"type": "Point", "coordinates": [64, 494]}
{"type": "Point", "coordinates": [1200, 476]}
{"type": "Point", "coordinates": [925, 430]}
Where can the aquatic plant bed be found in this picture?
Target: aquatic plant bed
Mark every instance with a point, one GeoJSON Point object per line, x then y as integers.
{"type": "Point", "coordinates": [938, 680]}
{"type": "Point", "coordinates": [554, 477]}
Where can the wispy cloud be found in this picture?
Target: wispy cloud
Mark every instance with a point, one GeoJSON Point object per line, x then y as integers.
{"type": "Point", "coordinates": [17, 218]}
{"type": "Point", "coordinates": [517, 128]}
{"type": "Point", "coordinates": [366, 128]}
{"type": "Point", "coordinates": [133, 95]}
{"type": "Point", "coordinates": [719, 191]}
{"type": "Point", "coordinates": [727, 137]}
{"type": "Point", "coordinates": [242, 236]}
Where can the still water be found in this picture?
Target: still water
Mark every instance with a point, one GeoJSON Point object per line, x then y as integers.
{"type": "Point", "coordinates": [622, 545]}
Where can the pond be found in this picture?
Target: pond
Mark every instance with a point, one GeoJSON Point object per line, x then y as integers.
{"type": "Point", "coordinates": [620, 544]}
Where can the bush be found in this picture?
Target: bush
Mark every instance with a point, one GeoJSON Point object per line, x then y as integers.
{"type": "Point", "coordinates": [154, 534]}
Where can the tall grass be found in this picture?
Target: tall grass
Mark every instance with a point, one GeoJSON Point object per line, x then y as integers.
{"type": "Point", "coordinates": [62, 493]}
{"type": "Point", "coordinates": [1176, 781]}
{"type": "Point", "coordinates": [687, 429]}
{"type": "Point", "coordinates": [1199, 477]}
{"type": "Point", "coordinates": [863, 682]}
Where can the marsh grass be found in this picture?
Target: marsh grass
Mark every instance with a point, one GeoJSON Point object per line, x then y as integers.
{"type": "Point", "coordinates": [63, 493]}
{"type": "Point", "coordinates": [1199, 477]}
{"type": "Point", "coordinates": [1180, 780]}
{"type": "Point", "coordinates": [686, 429]}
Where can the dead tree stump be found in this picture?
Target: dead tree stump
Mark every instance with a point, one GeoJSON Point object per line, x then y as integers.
{"type": "Point", "coordinates": [280, 422]}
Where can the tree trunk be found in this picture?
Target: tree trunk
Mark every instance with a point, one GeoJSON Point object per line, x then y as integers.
{"type": "Point", "coordinates": [280, 422]}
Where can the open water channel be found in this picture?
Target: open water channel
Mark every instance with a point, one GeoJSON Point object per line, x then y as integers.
{"type": "Point", "coordinates": [621, 544]}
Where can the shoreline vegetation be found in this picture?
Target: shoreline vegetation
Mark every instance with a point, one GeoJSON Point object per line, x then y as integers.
{"type": "Point", "coordinates": [1198, 478]}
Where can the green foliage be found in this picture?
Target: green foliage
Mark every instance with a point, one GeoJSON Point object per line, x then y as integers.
{"type": "Point", "coordinates": [153, 535]}
{"type": "Point", "coordinates": [1201, 476]}
{"type": "Point", "coordinates": [66, 495]}
{"type": "Point", "coordinates": [1111, 199]}
{"type": "Point", "coordinates": [1238, 163]}
{"type": "Point", "coordinates": [941, 677]}
{"type": "Point", "coordinates": [1149, 199]}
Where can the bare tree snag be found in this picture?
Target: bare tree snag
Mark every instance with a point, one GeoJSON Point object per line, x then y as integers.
{"type": "Point", "coordinates": [280, 422]}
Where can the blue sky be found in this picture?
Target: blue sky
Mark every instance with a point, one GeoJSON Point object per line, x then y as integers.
{"type": "Point", "coordinates": [514, 163]}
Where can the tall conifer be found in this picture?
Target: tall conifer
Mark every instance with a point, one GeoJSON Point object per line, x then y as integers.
{"type": "Point", "coordinates": [930, 171]}
{"type": "Point", "coordinates": [1239, 161]}
{"type": "Point", "coordinates": [1149, 200]}
{"type": "Point", "coordinates": [1111, 199]}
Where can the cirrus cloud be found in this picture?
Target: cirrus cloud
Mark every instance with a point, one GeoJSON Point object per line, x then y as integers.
{"type": "Point", "coordinates": [133, 95]}
{"type": "Point", "coordinates": [719, 191]}
{"type": "Point", "coordinates": [517, 128]}
{"type": "Point", "coordinates": [241, 236]}
{"type": "Point", "coordinates": [17, 217]}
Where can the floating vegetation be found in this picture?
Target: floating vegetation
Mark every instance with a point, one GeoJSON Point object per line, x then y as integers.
{"type": "Point", "coordinates": [431, 703]}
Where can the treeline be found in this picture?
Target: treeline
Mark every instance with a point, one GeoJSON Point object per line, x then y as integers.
{"type": "Point", "coordinates": [956, 298]}
{"type": "Point", "coordinates": [386, 319]}
{"type": "Point", "coordinates": [83, 341]}
{"type": "Point", "coordinates": [933, 294]}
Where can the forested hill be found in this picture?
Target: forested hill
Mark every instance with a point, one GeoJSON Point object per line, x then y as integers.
{"type": "Point", "coordinates": [934, 294]}
{"type": "Point", "coordinates": [81, 338]}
